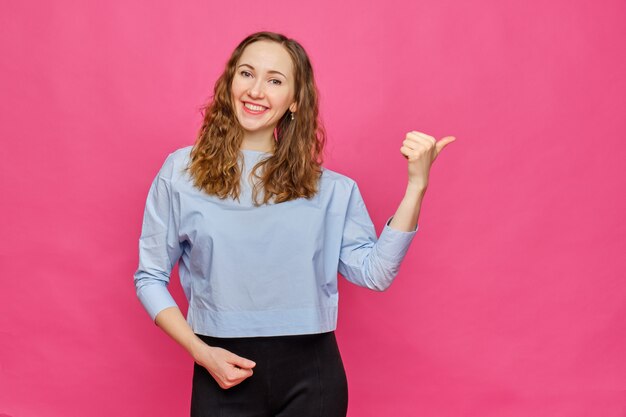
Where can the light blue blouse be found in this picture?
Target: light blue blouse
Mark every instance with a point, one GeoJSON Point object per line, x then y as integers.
{"type": "Point", "coordinates": [260, 271]}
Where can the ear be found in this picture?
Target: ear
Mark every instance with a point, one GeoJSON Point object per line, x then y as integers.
{"type": "Point", "coordinates": [293, 107]}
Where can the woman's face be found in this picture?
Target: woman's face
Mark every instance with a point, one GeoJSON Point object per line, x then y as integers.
{"type": "Point", "coordinates": [263, 88]}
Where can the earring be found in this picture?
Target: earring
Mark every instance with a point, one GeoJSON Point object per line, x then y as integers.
{"type": "Point", "coordinates": [292, 116]}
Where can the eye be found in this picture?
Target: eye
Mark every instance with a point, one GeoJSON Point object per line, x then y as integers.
{"type": "Point", "coordinates": [244, 73]}
{"type": "Point", "coordinates": [278, 82]}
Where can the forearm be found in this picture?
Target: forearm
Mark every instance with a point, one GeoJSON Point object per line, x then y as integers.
{"type": "Point", "coordinates": [227, 368]}
{"type": "Point", "coordinates": [408, 211]}
{"type": "Point", "coordinates": [172, 322]}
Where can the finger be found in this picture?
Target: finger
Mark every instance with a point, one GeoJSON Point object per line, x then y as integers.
{"type": "Point", "coordinates": [442, 143]}
{"type": "Point", "coordinates": [419, 142]}
{"type": "Point", "coordinates": [242, 362]}
{"type": "Point", "coordinates": [246, 373]}
{"type": "Point", "coordinates": [239, 370]}
{"type": "Point", "coordinates": [235, 375]}
{"type": "Point", "coordinates": [235, 379]}
{"type": "Point", "coordinates": [408, 152]}
{"type": "Point", "coordinates": [422, 136]}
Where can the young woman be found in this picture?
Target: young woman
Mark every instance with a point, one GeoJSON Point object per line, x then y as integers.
{"type": "Point", "coordinates": [261, 229]}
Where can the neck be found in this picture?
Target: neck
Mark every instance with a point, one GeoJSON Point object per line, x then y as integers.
{"type": "Point", "coordinates": [259, 141]}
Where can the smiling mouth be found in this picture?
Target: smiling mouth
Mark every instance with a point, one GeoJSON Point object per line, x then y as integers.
{"type": "Point", "coordinates": [253, 108]}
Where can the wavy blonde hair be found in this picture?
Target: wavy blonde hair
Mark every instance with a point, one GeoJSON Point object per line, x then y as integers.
{"type": "Point", "coordinates": [293, 170]}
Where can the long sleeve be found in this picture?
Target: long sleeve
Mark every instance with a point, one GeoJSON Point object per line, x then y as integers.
{"type": "Point", "coordinates": [229, 250]}
{"type": "Point", "coordinates": [159, 246]}
{"type": "Point", "coordinates": [365, 260]}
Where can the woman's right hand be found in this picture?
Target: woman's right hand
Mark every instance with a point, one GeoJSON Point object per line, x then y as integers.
{"type": "Point", "coordinates": [224, 366]}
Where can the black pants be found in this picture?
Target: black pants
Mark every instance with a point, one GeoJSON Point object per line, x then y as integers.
{"type": "Point", "coordinates": [294, 376]}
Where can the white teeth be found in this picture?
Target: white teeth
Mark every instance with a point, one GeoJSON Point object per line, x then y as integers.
{"type": "Point", "coordinates": [253, 107]}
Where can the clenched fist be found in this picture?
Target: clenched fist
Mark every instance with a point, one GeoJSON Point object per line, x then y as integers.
{"type": "Point", "coordinates": [227, 368]}
{"type": "Point", "coordinates": [421, 150]}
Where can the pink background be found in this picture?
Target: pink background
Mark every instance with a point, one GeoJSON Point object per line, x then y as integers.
{"type": "Point", "coordinates": [512, 298]}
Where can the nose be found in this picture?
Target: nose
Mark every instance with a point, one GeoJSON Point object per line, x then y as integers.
{"type": "Point", "coordinates": [256, 90]}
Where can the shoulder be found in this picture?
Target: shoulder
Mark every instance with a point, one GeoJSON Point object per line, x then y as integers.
{"type": "Point", "coordinates": [175, 163]}
{"type": "Point", "coordinates": [337, 180]}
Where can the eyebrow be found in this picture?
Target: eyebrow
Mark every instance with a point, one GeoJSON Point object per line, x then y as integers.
{"type": "Point", "coordinates": [270, 71]}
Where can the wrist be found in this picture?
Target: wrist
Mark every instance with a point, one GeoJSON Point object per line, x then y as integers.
{"type": "Point", "coordinates": [196, 346]}
{"type": "Point", "coordinates": [416, 188]}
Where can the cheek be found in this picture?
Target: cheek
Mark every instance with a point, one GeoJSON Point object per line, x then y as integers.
{"type": "Point", "coordinates": [234, 90]}
{"type": "Point", "coordinates": [236, 95]}
{"type": "Point", "coordinates": [237, 87]}
{"type": "Point", "coordinates": [282, 100]}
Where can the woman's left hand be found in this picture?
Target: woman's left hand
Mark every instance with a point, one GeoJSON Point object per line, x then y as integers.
{"type": "Point", "coordinates": [421, 150]}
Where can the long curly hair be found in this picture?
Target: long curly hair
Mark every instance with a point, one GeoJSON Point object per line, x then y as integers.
{"type": "Point", "coordinates": [293, 170]}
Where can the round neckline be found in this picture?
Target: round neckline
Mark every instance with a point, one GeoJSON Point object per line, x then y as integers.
{"type": "Point", "coordinates": [255, 151]}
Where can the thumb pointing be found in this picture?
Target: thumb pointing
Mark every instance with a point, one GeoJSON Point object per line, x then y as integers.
{"type": "Point", "coordinates": [442, 143]}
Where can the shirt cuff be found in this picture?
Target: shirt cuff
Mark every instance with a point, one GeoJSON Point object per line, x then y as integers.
{"type": "Point", "coordinates": [155, 298]}
{"type": "Point", "coordinates": [393, 244]}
